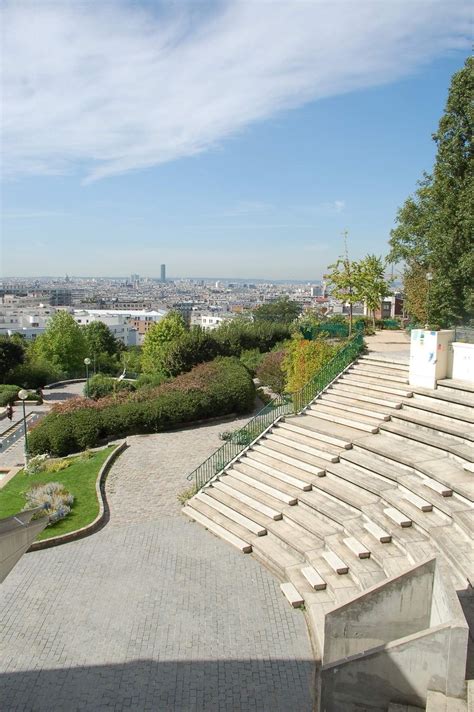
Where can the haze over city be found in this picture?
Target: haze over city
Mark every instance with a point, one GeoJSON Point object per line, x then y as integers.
{"type": "Point", "coordinates": [221, 139]}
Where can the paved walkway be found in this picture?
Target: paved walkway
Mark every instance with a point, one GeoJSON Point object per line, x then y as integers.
{"type": "Point", "coordinates": [153, 612]}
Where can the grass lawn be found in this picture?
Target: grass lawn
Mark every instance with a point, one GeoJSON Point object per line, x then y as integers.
{"type": "Point", "coordinates": [79, 478]}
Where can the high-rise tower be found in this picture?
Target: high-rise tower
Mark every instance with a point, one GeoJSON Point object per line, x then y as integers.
{"type": "Point", "coordinates": [163, 273]}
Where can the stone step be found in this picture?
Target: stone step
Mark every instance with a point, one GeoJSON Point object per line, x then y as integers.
{"type": "Point", "coordinates": [376, 384]}
{"type": "Point", "coordinates": [312, 521]}
{"type": "Point", "coordinates": [365, 572]}
{"type": "Point", "coordinates": [293, 537]}
{"type": "Point", "coordinates": [257, 481]}
{"type": "Point", "coordinates": [216, 529]}
{"type": "Point", "coordinates": [333, 416]}
{"type": "Point", "coordinates": [345, 470]}
{"type": "Point", "coordinates": [293, 426]}
{"type": "Point", "coordinates": [457, 547]}
{"type": "Point", "coordinates": [402, 537]}
{"type": "Point", "coordinates": [386, 375]}
{"type": "Point", "coordinates": [353, 406]}
{"type": "Point", "coordinates": [291, 594]}
{"type": "Point", "coordinates": [314, 579]}
{"type": "Point", "coordinates": [231, 513]}
{"type": "Point", "coordinates": [378, 369]}
{"type": "Point", "coordinates": [433, 440]}
{"type": "Point", "coordinates": [335, 562]}
{"type": "Point", "coordinates": [324, 452]}
{"type": "Point", "coordinates": [368, 418]}
{"type": "Point", "coordinates": [231, 502]}
{"type": "Point", "coordinates": [425, 519]}
{"type": "Point", "coordinates": [269, 550]}
{"type": "Point", "coordinates": [461, 399]}
{"type": "Point", "coordinates": [456, 385]}
{"type": "Point", "coordinates": [401, 519]}
{"type": "Point", "coordinates": [356, 547]}
{"type": "Point", "coordinates": [330, 507]}
{"type": "Point", "coordinates": [386, 399]}
{"type": "Point", "coordinates": [307, 440]}
{"type": "Point", "coordinates": [378, 533]}
{"type": "Point", "coordinates": [278, 474]}
{"type": "Point", "coordinates": [258, 455]}
{"type": "Point", "coordinates": [438, 702]}
{"type": "Point", "coordinates": [203, 505]}
{"type": "Point", "coordinates": [433, 422]}
{"type": "Point", "coordinates": [232, 489]}
{"type": "Point", "coordinates": [422, 504]}
{"type": "Point", "coordinates": [272, 450]}
{"type": "Point", "coordinates": [310, 420]}
{"type": "Point", "coordinates": [441, 409]}
{"type": "Point", "coordinates": [342, 490]}
{"type": "Point", "coordinates": [386, 363]}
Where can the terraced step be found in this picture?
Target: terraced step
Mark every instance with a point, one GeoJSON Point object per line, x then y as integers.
{"type": "Point", "coordinates": [362, 394]}
{"type": "Point", "coordinates": [330, 507]}
{"type": "Point", "coordinates": [324, 451]}
{"type": "Point", "coordinates": [378, 533]}
{"type": "Point", "coordinates": [323, 428]}
{"type": "Point", "coordinates": [456, 385]}
{"type": "Point", "coordinates": [294, 537]}
{"type": "Point", "coordinates": [314, 579]}
{"type": "Point", "coordinates": [458, 549]}
{"type": "Point", "coordinates": [464, 399]}
{"type": "Point", "coordinates": [364, 479]}
{"type": "Point", "coordinates": [352, 405]}
{"type": "Point", "coordinates": [376, 384]}
{"type": "Point", "coordinates": [294, 426]}
{"type": "Point", "coordinates": [314, 522]}
{"type": "Point", "coordinates": [275, 452]}
{"type": "Point", "coordinates": [269, 550]}
{"type": "Point", "coordinates": [356, 547]}
{"type": "Point", "coordinates": [379, 374]}
{"type": "Point", "coordinates": [257, 454]}
{"type": "Point", "coordinates": [291, 594]}
{"type": "Point", "coordinates": [350, 494]}
{"type": "Point", "coordinates": [246, 495]}
{"type": "Point", "coordinates": [433, 422]}
{"type": "Point", "coordinates": [218, 530]}
{"type": "Point", "coordinates": [398, 517]}
{"type": "Point", "coordinates": [258, 481]}
{"type": "Point", "coordinates": [230, 513]}
{"type": "Point", "coordinates": [335, 562]}
{"type": "Point", "coordinates": [362, 414]}
{"type": "Point", "coordinates": [333, 416]}
{"type": "Point", "coordinates": [386, 363]}
{"type": "Point", "coordinates": [231, 502]}
{"type": "Point", "coordinates": [382, 370]}
{"type": "Point", "coordinates": [441, 409]}
{"type": "Point", "coordinates": [432, 440]}
{"type": "Point", "coordinates": [204, 506]}
{"type": "Point", "coordinates": [278, 475]}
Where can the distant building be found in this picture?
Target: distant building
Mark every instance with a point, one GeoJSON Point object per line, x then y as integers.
{"type": "Point", "coordinates": [163, 273]}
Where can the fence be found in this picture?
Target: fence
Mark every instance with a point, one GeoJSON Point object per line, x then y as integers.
{"type": "Point", "coordinates": [288, 404]}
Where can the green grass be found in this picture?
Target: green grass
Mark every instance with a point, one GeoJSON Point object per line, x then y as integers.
{"type": "Point", "coordinates": [79, 478]}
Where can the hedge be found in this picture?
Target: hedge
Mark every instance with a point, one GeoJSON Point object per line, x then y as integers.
{"type": "Point", "coordinates": [212, 389]}
{"type": "Point", "coordinates": [8, 394]}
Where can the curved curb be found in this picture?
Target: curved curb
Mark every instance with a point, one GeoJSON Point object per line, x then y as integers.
{"type": "Point", "coordinates": [104, 513]}
{"type": "Point", "coordinates": [58, 384]}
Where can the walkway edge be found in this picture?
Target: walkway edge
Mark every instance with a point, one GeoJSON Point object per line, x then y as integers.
{"type": "Point", "coordinates": [103, 515]}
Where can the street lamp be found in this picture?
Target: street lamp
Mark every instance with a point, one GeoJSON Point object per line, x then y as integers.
{"type": "Point", "coordinates": [87, 362]}
{"type": "Point", "coordinates": [23, 395]}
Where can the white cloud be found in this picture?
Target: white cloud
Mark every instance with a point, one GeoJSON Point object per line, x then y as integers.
{"type": "Point", "coordinates": [110, 87]}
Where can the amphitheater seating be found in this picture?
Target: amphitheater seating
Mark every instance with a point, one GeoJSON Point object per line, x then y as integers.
{"type": "Point", "coordinates": [372, 478]}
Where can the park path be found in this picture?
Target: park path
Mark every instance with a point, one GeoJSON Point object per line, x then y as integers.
{"type": "Point", "coordinates": [152, 612]}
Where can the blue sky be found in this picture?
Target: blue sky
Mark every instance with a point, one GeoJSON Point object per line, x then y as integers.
{"type": "Point", "coordinates": [231, 139]}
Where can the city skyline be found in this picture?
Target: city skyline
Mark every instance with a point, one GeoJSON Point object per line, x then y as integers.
{"type": "Point", "coordinates": [280, 142]}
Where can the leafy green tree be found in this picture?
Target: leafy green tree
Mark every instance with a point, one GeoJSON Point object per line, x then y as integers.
{"type": "Point", "coordinates": [159, 340]}
{"type": "Point", "coordinates": [12, 354]}
{"type": "Point", "coordinates": [342, 282]}
{"type": "Point", "coordinates": [100, 340]}
{"type": "Point", "coordinates": [193, 347]}
{"type": "Point", "coordinates": [372, 286]}
{"type": "Point", "coordinates": [435, 227]}
{"type": "Point", "coordinates": [281, 311]}
{"type": "Point", "coordinates": [62, 345]}
{"type": "Point", "coordinates": [304, 359]}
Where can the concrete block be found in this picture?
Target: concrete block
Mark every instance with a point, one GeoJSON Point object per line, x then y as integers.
{"type": "Point", "coordinates": [336, 563]}
{"type": "Point", "coordinates": [401, 519]}
{"type": "Point", "coordinates": [356, 547]}
{"type": "Point", "coordinates": [377, 532]}
{"type": "Point", "coordinates": [313, 578]}
{"type": "Point", "coordinates": [291, 595]}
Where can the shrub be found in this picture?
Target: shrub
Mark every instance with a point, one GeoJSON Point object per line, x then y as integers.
{"type": "Point", "coordinates": [30, 375]}
{"type": "Point", "coordinates": [8, 394]}
{"type": "Point", "coordinates": [36, 465]}
{"type": "Point", "coordinates": [193, 347]}
{"type": "Point", "coordinates": [218, 388]}
{"type": "Point", "coordinates": [56, 465]}
{"type": "Point", "coordinates": [53, 498]}
{"type": "Point", "coordinates": [251, 358]}
{"type": "Point", "coordinates": [304, 359]}
{"type": "Point", "coordinates": [150, 380]}
{"type": "Point", "coordinates": [271, 372]}
{"type": "Point", "coordinates": [101, 386]}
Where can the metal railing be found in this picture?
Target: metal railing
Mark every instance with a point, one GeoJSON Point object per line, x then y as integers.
{"type": "Point", "coordinates": [287, 404]}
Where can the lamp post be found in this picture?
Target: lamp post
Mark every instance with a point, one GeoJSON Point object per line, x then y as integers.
{"type": "Point", "coordinates": [429, 277]}
{"type": "Point", "coordinates": [87, 363]}
{"type": "Point", "coordinates": [23, 395]}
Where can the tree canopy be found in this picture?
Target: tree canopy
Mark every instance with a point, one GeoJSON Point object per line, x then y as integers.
{"type": "Point", "coordinates": [12, 353]}
{"type": "Point", "coordinates": [62, 345]}
{"type": "Point", "coordinates": [435, 226]}
{"type": "Point", "coordinates": [100, 340]}
{"type": "Point", "coordinates": [371, 284]}
{"type": "Point", "coordinates": [159, 340]}
{"type": "Point", "coordinates": [281, 311]}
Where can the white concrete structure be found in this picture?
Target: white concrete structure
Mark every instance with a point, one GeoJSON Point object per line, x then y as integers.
{"type": "Point", "coordinates": [429, 356]}
{"type": "Point", "coordinates": [117, 322]}
{"type": "Point", "coordinates": [461, 365]}
{"type": "Point", "coordinates": [28, 322]}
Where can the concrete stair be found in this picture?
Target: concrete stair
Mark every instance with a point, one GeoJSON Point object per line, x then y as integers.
{"type": "Point", "coordinates": [438, 702]}
{"type": "Point", "coordinates": [363, 484]}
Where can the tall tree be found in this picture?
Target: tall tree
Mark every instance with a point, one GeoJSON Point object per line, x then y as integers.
{"type": "Point", "coordinates": [435, 227]}
{"type": "Point", "coordinates": [62, 345]}
{"type": "Point", "coordinates": [342, 281]}
{"type": "Point", "coordinates": [372, 286]}
{"type": "Point", "coordinates": [281, 311]}
{"type": "Point", "coordinates": [100, 340]}
{"type": "Point", "coordinates": [12, 353]}
{"type": "Point", "coordinates": [158, 341]}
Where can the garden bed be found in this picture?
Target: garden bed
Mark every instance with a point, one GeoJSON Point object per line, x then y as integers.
{"type": "Point", "coordinates": [79, 479]}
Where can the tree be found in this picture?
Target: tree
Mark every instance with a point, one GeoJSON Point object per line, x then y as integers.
{"type": "Point", "coordinates": [342, 281]}
{"type": "Point", "coordinates": [159, 340]}
{"type": "Point", "coordinates": [62, 345]}
{"type": "Point", "coordinates": [282, 311]}
{"type": "Point", "coordinates": [304, 359]}
{"type": "Point", "coordinates": [435, 227]}
{"type": "Point", "coordinates": [193, 347]}
{"type": "Point", "coordinates": [100, 340]}
{"type": "Point", "coordinates": [12, 354]}
{"type": "Point", "coordinates": [371, 284]}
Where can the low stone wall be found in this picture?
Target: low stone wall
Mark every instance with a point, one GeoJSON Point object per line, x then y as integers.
{"type": "Point", "coordinates": [58, 384]}
{"type": "Point", "coordinates": [103, 515]}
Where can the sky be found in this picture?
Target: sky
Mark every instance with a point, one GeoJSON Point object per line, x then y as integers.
{"type": "Point", "coordinates": [228, 138]}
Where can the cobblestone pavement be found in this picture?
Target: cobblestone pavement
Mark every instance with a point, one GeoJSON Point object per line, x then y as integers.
{"type": "Point", "coordinates": [153, 612]}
